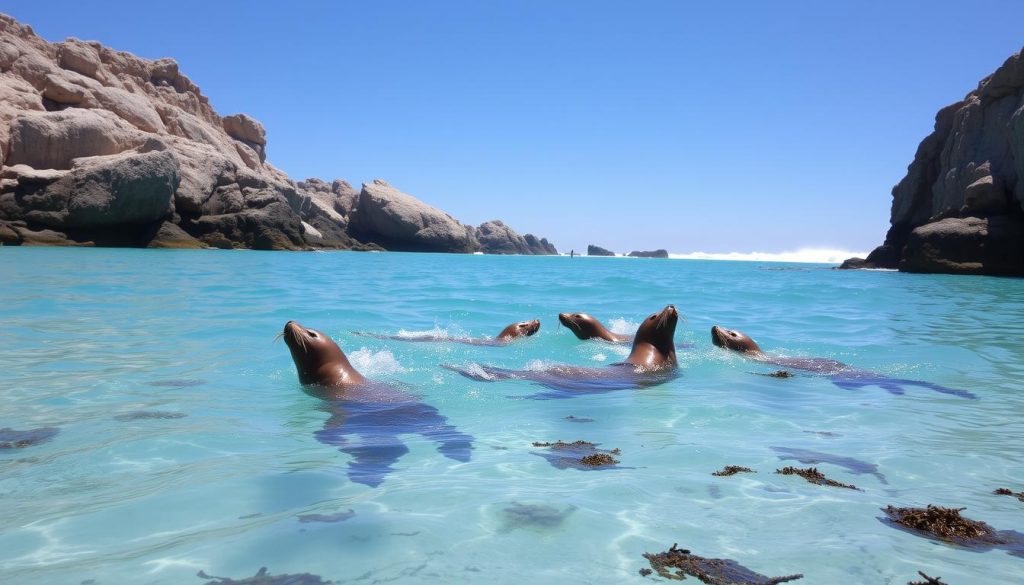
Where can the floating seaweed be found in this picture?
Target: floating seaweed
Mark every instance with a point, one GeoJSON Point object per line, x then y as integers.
{"type": "Point", "coordinates": [927, 580]}
{"type": "Point", "coordinates": [578, 455]}
{"type": "Point", "coordinates": [327, 518]}
{"type": "Point", "coordinates": [177, 383]}
{"type": "Point", "coordinates": [12, 439]}
{"type": "Point", "coordinates": [945, 524]}
{"type": "Point", "coordinates": [149, 414]}
{"type": "Point", "coordinates": [776, 374]}
{"type": "Point", "coordinates": [732, 470]}
{"type": "Point", "coordinates": [578, 419]}
{"type": "Point", "coordinates": [1008, 492]}
{"type": "Point", "coordinates": [808, 457]}
{"type": "Point", "coordinates": [262, 577]}
{"type": "Point", "coordinates": [812, 475]}
{"type": "Point", "coordinates": [709, 571]}
{"type": "Point", "coordinates": [537, 517]}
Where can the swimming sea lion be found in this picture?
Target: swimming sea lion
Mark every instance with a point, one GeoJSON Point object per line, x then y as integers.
{"type": "Point", "coordinates": [507, 335]}
{"type": "Point", "coordinates": [652, 361]}
{"type": "Point", "coordinates": [841, 374]}
{"type": "Point", "coordinates": [586, 327]}
{"type": "Point", "coordinates": [375, 412]}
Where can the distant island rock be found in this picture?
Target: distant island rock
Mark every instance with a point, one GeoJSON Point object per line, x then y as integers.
{"type": "Point", "coordinates": [651, 254]}
{"type": "Point", "coordinates": [960, 209]}
{"type": "Point", "coordinates": [593, 250]}
{"type": "Point", "coordinates": [102, 148]}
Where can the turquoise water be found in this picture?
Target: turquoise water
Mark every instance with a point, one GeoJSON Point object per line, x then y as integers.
{"type": "Point", "coordinates": [90, 337]}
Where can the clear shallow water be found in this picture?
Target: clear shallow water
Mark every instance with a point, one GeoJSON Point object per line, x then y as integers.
{"type": "Point", "coordinates": [90, 336]}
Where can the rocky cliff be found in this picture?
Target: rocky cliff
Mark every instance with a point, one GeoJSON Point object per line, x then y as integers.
{"type": "Point", "coordinates": [100, 147]}
{"type": "Point", "coordinates": [960, 209]}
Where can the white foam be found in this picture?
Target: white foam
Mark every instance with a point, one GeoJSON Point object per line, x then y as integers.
{"type": "Point", "coordinates": [374, 363]}
{"type": "Point", "coordinates": [623, 326]}
{"type": "Point", "coordinates": [816, 255]}
{"type": "Point", "coordinates": [435, 332]}
{"type": "Point", "coordinates": [599, 357]}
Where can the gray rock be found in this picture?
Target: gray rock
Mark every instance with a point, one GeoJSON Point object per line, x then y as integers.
{"type": "Point", "coordinates": [497, 238]}
{"type": "Point", "coordinates": [593, 250]}
{"type": "Point", "coordinates": [170, 236]}
{"type": "Point", "coordinates": [397, 221]}
{"type": "Point", "coordinates": [59, 90]}
{"type": "Point", "coordinates": [970, 167]}
{"type": "Point", "coordinates": [967, 245]}
{"type": "Point", "coordinates": [107, 191]}
{"type": "Point", "coordinates": [651, 254]}
{"type": "Point", "coordinates": [540, 246]}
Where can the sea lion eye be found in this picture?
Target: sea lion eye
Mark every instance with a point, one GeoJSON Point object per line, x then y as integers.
{"type": "Point", "coordinates": [733, 333]}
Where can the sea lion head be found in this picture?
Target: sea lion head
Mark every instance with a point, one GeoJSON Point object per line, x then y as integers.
{"type": "Point", "coordinates": [653, 344]}
{"type": "Point", "coordinates": [582, 325]}
{"type": "Point", "coordinates": [734, 340]}
{"type": "Point", "coordinates": [318, 359]}
{"type": "Point", "coordinates": [520, 329]}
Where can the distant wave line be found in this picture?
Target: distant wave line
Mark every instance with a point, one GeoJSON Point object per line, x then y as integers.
{"type": "Point", "coordinates": [808, 255]}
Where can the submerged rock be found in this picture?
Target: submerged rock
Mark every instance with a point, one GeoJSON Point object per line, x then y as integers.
{"type": "Point", "coordinates": [676, 563]}
{"type": "Point", "coordinates": [13, 439]}
{"type": "Point", "coordinates": [262, 577]}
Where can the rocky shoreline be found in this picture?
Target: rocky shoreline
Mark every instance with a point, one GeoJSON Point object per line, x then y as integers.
{"type": "Point", "coordinates": [102, 148]}
{"type": "Point", "coordinates": [960, 209]}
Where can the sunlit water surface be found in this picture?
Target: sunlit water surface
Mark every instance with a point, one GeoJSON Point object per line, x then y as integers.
{"type": "Point", "coordinates": [230, 477]}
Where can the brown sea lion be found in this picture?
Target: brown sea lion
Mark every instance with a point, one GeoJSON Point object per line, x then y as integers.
{"type": "Point", "coordinates": [584, 327]}
{"type": "Point", "coordinates": [651, 361]}
{"type": "Point", "coordinates": [840, 374]}
{"type": "Point", "coordinates": [507, 335]}
{"type": "Point", "coordinates": [367, 417]}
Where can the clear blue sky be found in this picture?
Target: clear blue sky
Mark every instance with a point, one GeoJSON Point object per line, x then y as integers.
{"type": "Point", "coordinates": [712, 126]}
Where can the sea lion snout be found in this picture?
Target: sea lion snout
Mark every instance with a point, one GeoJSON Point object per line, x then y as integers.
{"type": "Point", "coordinates": [532, 327]}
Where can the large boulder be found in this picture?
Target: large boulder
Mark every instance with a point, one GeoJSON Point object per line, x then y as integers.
{"type": "Point", "coordinates": [101, 192]}
{"type": "Point", "coordinates": [540, 246]}
{"type": "Point", "coordinates": [397, 221]}
{"type": "Point", "coordinates": [497, 238]}
{"type": "Point", "coordinates": [51, 140]}
{"type": "Point", "coordinates": [593, 250]}
{"type": "Point", "coordinates": [970, 245]}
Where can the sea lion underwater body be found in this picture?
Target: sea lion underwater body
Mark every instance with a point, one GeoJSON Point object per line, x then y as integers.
{"type": "Point", "coordinates": [840, 374]}
{"type": "Point", "coordinates": [584, 327]}
{"type": "Point", "coordinates": [375, 412]}
{"type": "Point", "coordinates": [652, 361]}
{"type": "Point", "coordinates": [507, 335]}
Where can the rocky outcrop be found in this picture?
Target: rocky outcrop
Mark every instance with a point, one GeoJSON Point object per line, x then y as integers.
{"type": "Point", "coordinates": [961, 206]}
{"type": "Point", "coordinates": [396, 221]}
{"type": "Point", "coordinates": [593, 250]}
{"type": "Point", "coordinates": [651, 254]}
{"type": "Point", "coordinates": [100, 147]}
{"type": "Point", "coordinates": [497, 238]}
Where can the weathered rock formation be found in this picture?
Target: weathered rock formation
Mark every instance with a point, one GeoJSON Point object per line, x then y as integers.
{"type": "Point", "coordinates": [651, 254]}
{"type": "Point", "coordinates": [497, 238]}
{"type": "Point", "coordinates": [593, 250]}
{"type": "Point", "coordinates": [100, 147]}
{"type": "Point", "coordinates": [960, 209]}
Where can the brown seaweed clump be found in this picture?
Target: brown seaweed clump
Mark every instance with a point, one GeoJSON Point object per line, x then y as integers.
{"type": "Point", "coordinates": [262, 577]}
{"type": "Point", "coordinates": [732, 470]}
{"type": "Point", "coordinates": [927, 580]}
{"type": "Point", "coordinates": [598, 459]}
{"type": "Point", "coordinates": [578, 455]}
{"type": "Point", "coordinates": [812, 475]}
{"type": "Point", "coordinates": [709, 571]}
{"type": "Point", "coordinates": [1008, 492]}
{"type": "Point", "coordinates": [943, 523]}
{"type": "Point", "coordinates": [777, 374]}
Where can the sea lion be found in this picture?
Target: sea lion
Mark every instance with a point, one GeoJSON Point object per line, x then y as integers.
{"type": "Point", "coordinates": [507, 335]}
{"type": "Point", "coordinates": [651, 361]}
{"type": "Point", "coordinates": [584, 327]}
{"type": "Point", "coordinates": [840, 374]}
{"type": "Point", "coordinates": [375, 412]}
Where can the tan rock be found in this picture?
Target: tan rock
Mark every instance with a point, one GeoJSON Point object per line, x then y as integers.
{"type": "Point", "coordinates": [242, 127]}
{"type": "Point", "coordinates": [135, 109]}
{"type": "Point", "coordinates": [164, 70]}
{"type": "Point", "coordinates": [50, 140]}
{"type": "Point", "coordinates": [59, 90]}
{"type": "Point", "coordinates": [78, 57]}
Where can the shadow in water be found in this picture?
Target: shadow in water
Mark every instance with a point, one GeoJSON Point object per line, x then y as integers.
{"type": "Point", "coordinates": [371, 434]}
